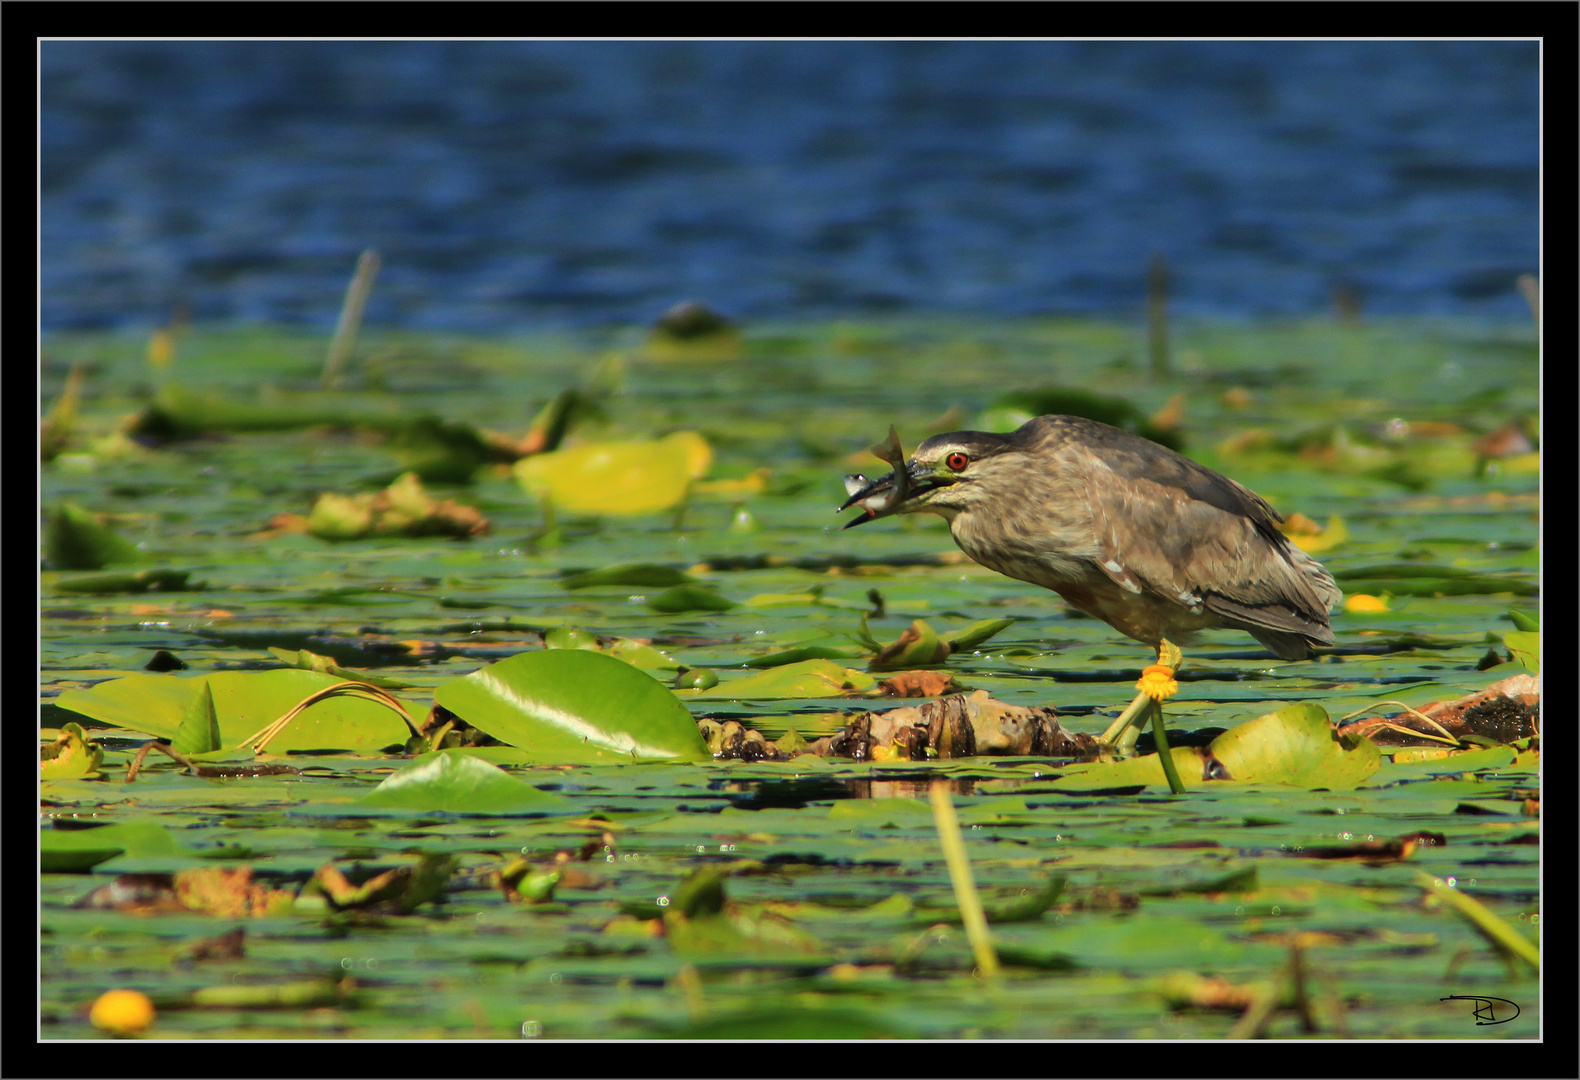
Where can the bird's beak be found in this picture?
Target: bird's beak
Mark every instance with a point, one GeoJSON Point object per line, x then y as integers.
{"type": "Point", "coordinates": [884, 496]}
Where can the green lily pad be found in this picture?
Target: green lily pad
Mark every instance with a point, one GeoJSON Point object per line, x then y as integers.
{"type": "Point", "coordinates": [1296, 745]}
{"type": "Point", "coordinates": [1497, 757]}
{"type": "Point", "coordinates": [805, 652]}
{"type": "Point", "coordinates": [644, 575]}
{"type": "Point", "coordinates": [75, 540]}
{"type": "Point", "coordinates": [790, 1021]}
{"type": "Point", "coordinates": [71, 756]}
{"type": "Point", "coordinates": [311, 661]}
{"type": "Point", "coordinates": [689, 598]}
{"type": "Point", "coordinates": [575, 706]}
{"type": "Point", "coordinates": [917, 646]}
{"type": "Point", "coordinates": [1134, 772]}
{"type": "Point", "coordinates": [970, 637]}
{"type": "Point", "coordinates": [199, 730]}
{"type": "Point", "coordinates": [570, 637]}
{"type": "Point", "coordinates": [180, 411]}
{"type": "Point", "coordinates": [244, 703]}
{"type": "Point", "coordinates": [643, 656]}
{"type": "Point", "coordinates": [632, 652]}
{"type": "Point", "coordinates": [457, 783]}
{"type": "Point", "coordinates": [808, 679]}
{"type": "Point", "coordinates": [1414, 579]}
{"type": "Point", "coordinates": [140, 581]}
{"type": "Point", "coordinates": [1526, 648]}
{"type": "Point", "coordinates": [74, 851]}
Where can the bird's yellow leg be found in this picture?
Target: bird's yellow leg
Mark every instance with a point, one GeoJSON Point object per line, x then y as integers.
{"type": "Point", "coordinates": [1156, 684]}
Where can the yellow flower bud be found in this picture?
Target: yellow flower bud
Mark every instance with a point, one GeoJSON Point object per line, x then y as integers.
{"type": "Point", "coordinates": [122, 1012]}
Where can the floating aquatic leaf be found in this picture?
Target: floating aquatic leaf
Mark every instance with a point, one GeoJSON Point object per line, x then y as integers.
{"type": "Point", "coordinates": [642, 575]}
{"type": "Point", "coordinates": [643, 656]}
{"type": "Point", "coordinates": [244, 702]}
{"type": "Point", "coordinates": [311, 661]}
{"type": "Point", "coordinates": [696, 679]}
{"type": "Point", "coordinates": [575, 706]}
{"type": "Point", "coordinates": [569, 637]}
{"type": "Point", "coordinates": [199, 730]}
{"type": "Point", "coordinates": [180, 412]}
{"type": "Point", "coordinates": [74, 539]}
{"type": "Point", "coordinates": [454, 782]}
{"type": "Point", "coordinates": [809, 678]}
{"type": "Point", "coordinates": [1133, 773]}
{"type": "Point", "coordinates": [1526, 647]}
{"type": "Point", "coordinates": [969, 637]}
{"type": "Point", "coordinates": [689, 598]}
{"type": "Point", "coordinates": [438, 451]}
{"type": "Point", "coordinates": [73, 851]}
{"type": "Point", "coordinates": [1526, 620]}
{"type": "Point", "coordinates": [618, 477]}
{"type": "Point", "coordinates": [71, 756]}
{"type": "Point", "coordinates": [137, 582]}
{"type": "Point", "coordinates": [917, 646]}
{"type": "Point", "coordinates": [1296, 745]}
{"type": "Point", "coordinates": [1322, 539]}
{"type": "Point", "coordinates": [402, 509]}
{"type": "Point", "coordinates": [805, 652]}
{"type": "Point", "coordinates": [399, 891]}
{"type": "Point", "coordinates": [54, 432]}
{"type": "Point", "coordinates": [1413, 579]}
{"type": "Point", "coordinates": [1451, 763]}
{"type": "Point", "coordinates": [791, 1020]}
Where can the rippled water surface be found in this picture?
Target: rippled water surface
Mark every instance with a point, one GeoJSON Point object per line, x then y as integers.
{"type": "Point", "coordinates": [512, 183]}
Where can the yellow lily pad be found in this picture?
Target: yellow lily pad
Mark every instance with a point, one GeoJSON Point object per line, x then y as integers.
{"type": "Point", "coordinates": [618, 477]}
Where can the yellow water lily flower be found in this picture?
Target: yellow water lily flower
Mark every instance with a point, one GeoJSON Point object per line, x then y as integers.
{"type": "Point", "coordinates": [1361, 603]}
{"type": "Point", "coordinates": [122, 1012]}
{"type": "Point", "coordinates": [1157, 682]}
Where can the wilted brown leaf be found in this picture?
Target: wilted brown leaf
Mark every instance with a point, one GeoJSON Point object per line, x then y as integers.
{"type": "Point", "coordinates": [908, 684]}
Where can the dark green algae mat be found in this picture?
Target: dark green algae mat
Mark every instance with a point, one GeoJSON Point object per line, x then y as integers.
{"type": "Point", "coordinates": [798, 899]}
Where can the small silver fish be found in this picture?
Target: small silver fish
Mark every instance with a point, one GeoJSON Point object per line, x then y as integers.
{"type": "Point", "coordinates": [879, 497]}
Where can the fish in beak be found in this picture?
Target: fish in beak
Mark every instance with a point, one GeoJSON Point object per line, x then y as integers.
{"type": "Point", "coordinates": [879, 498]}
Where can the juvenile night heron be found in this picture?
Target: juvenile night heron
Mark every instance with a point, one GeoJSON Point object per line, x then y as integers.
{"type": "Point", "coordinates": [1125, 530]}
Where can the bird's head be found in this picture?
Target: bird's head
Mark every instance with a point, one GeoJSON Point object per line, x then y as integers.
{"type": "Point", "coordinates": [948, 475]}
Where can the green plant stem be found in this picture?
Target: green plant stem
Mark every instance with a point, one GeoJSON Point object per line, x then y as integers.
{"type": "Point", "coordinates": [1114, 736]}
{"type": "Point", "coordinates": [960, 877]}
{"type": "Point", "coordinates": [1164, 756]}
{"type": "Point", "coordinates": [1503, 937]}
{"type": "Point", "coordinates": [350, 317]}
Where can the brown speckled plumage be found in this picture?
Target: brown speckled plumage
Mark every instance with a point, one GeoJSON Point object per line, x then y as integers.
{"type": "Point", "coordinates": [1125, 530]}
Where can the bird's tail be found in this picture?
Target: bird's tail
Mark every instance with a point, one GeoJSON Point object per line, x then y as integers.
{"type": "Point", "coordinates": [1324, 595]}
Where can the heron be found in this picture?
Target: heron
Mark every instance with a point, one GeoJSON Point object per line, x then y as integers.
{"type": "Point", "coordinates": [1126, 531]}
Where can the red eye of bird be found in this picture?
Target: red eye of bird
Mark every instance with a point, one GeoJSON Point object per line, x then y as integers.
{"type": "Point", "coordinates": [957, 461]}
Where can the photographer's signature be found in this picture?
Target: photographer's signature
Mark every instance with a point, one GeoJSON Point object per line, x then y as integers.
{"type": "Point", "coordinates": [1488, 1008]}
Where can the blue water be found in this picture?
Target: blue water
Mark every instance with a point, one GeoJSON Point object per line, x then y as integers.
{"type": "Point", "coordinates": [511, 185]}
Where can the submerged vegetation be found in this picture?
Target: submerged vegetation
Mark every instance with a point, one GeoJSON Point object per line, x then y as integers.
{"type": "Point", "coordinates": [531, 688]}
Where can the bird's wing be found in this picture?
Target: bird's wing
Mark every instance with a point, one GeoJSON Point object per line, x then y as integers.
{"type": "Point", "coordinates": [1194, 538]}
